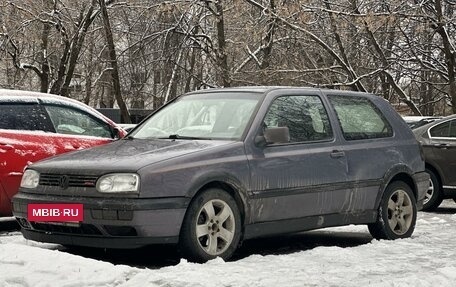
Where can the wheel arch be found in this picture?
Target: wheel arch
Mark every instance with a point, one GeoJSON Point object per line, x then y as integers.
{"type": "Point", "coordinates": [231, 190]}
{"type": "Point", "coordinates": [407, 179]}
{"type": "Point", "coordinates": [397, 173]}
{"type": "Point", "coordinates": [228, 183]}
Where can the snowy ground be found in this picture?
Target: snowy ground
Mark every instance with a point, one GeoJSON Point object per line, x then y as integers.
{"type": "Point", "coordinates": [344, 256]}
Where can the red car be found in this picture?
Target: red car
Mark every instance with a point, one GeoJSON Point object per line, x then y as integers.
{"type": "Point", "coordinates": [34, 126]}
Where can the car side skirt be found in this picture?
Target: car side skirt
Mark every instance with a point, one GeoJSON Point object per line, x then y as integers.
{"type": "Point", "coordinates": [308, 223]}
{"type": "Point", "coordinates": [449, 191]}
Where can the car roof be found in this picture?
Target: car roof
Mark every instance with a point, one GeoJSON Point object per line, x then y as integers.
{"type": "Point", "coordinates": [419, 118]}
{"type": "Point", "coordinates": [436, 122]}
{"type": "Point", "coordinates": [266, 89]}
{"type": "Point", "coordinates": [7, 95]}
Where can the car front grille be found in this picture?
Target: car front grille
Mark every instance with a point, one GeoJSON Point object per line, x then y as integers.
{"type": "Point", "coordinates": [48, 179]}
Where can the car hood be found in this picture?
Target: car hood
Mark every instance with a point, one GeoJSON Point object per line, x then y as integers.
{"type": "Point", "coordinates": [124, 155]}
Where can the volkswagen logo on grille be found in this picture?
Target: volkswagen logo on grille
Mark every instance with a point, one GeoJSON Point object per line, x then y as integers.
{"type": "Point", "coordinates": [64, 181]}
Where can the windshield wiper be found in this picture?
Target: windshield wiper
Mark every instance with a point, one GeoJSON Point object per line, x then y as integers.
{"type": "Point", "coordinates": [179, 137]}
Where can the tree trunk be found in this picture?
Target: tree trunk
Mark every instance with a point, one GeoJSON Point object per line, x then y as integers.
{"type": "Point", "coordinates": [44, 75]}
{"type": "Point", "coordinates": [449, 53]}
{"type": "Point", "coordinates": [124, 114]}
{"type": "Point", "coordinates": [76, 48]}
{"type": "Point", "coordinates": [222, 57]}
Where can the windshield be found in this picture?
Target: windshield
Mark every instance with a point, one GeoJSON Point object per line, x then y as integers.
{"type": "Point", "coordinates": [202, 116]}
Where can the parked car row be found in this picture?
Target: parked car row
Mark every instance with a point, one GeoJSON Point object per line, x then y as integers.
{"type": "Point", "coordinates": [34, 126]}
{"type": "Point", "coordinates": [213, 168]}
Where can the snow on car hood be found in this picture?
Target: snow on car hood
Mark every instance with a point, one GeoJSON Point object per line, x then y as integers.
{"type": "Point", "coordinates": [124, 155]}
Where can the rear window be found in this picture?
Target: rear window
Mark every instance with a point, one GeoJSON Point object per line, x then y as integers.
{"type": "Point", "coordinates": [22, 117]}
{"type": "Point", "coordinates": [359, 118]}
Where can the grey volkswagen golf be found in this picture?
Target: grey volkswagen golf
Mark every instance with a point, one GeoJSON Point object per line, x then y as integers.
{"type": "Point", "coordinates": [215, 167]}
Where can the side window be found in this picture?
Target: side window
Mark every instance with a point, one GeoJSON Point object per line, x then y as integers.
{"type": "Point", "coordinates": [444, 130]}
{"type": "Point", "coordinates": [23, 117]}
{"type": "Point", "coordinates": [359, 118]}
{"type": "Point", "coordinates": [305, 117]}
{"type": "Point", "coordinates": [74, 122]}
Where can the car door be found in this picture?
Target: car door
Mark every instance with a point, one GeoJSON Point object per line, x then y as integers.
{"type": "Point", "coordinates": [443, 144]}
{"type": "Point", "coordinates": [304, 176]}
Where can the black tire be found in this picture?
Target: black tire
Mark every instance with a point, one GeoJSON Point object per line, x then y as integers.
{"type": "Point", "coordinates": [396, 216]}
{"type": "Point", "coordinates": [219, 220]}
{"type": "Point", "coordinates": [434, 195]}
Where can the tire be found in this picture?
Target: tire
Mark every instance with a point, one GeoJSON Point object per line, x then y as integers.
{"type": "Point", "coordinates": [211, 227]}
{"type": "Point", "coordinates": [397, 213]}
{"type": "Point", "coordinates": [434, 195]}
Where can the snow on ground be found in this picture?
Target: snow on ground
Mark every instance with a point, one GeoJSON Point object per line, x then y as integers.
{"type": "Point", "coordinates": [428, 258]}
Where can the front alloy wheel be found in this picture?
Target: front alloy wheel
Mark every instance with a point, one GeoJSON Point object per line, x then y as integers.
{"type": "Point", "coordinates": [396, 214]}
{"type": "Point", "coordinates": [211, 227]}
{"type": "Point", "coordinates": [215, 227]}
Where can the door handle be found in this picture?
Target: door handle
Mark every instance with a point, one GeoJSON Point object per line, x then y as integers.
{"type": "Point", "coordinates": [337, 154]}
{"type": "Point", "coordinates": [5, 146]}
{"type": "Point", "coordinates": [442, 146]}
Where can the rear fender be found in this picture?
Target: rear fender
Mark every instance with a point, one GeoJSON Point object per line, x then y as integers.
{"type": "Point", "coordinates": [388, 177]}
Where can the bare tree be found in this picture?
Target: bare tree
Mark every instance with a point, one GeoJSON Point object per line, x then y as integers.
{"type": "Point", "coordinates": [125, 116]}
{"type": "Point", "coordinates": [148, 52]}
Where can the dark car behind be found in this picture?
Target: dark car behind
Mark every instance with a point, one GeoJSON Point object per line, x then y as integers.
{"type": "Point", "coordinates": [438, 140]}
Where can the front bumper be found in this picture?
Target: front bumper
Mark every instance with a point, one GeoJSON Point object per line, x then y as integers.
{"type": "Point", "coordinates": [108, 223]}
{"type": "Point", "coordinates": [422, 185]}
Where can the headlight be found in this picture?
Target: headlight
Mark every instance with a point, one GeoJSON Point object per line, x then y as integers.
{"type": "Point", "coordinates": [30, 179]}
{"type": "Point", "coordinates": [118, 183]}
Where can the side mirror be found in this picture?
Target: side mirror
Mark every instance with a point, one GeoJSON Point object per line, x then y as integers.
{"type": "Point", "coordinates": [116, 133]}
{"type": "Point", "coordinates": [277, 135]}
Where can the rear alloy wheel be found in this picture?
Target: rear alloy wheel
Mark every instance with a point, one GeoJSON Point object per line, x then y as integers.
{"type": "Point", "coordinates": [211, 227]}
{"type": "Point", "coordinates": [433, 197]}
{"type": "Point", "coordinates": [397, 213]}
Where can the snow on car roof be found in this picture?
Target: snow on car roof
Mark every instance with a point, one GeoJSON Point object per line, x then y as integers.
{"type": "Point", "coordinates": [7, 95]}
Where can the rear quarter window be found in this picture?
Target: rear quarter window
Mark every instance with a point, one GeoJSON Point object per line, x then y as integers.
{"type": "Point", "coordinates": [444, 130]}
{"type": "Point", "coordinates": [359, 118]}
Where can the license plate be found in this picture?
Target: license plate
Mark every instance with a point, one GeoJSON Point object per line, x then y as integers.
{"type": "Point", "coordinates": [55, 212]}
